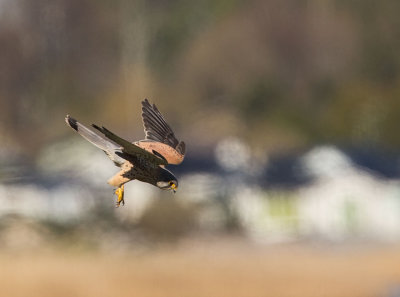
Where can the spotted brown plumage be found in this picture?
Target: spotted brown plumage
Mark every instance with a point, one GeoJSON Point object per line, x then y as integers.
{"type": "Point", "coordinates": [143, 160]}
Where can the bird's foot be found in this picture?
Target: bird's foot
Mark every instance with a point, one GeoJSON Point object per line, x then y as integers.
{"type": "Point", "coordinates": [120, 196]}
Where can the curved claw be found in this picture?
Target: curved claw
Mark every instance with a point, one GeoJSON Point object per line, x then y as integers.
{"type": "Point", "coordinates": [120, 196]}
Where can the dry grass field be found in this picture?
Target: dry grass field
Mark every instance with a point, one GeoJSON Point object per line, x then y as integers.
{"type": "Point", "coordinates": [199, 268]}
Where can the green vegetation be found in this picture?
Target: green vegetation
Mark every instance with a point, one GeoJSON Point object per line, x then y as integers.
{"type": "Point", "coordinates": [283, 74]}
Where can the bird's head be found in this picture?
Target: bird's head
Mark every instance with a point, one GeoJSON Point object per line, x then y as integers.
{"type": "Point", "coordinates": [167, 181]}
{"type": "Point", "coordinates": [170, 185]}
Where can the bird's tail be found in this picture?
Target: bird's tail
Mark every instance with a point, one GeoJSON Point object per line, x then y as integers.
{"type": "Point", "coordinates": [103, 143]}
{"type": "Point", "coordinates": [94, 138]}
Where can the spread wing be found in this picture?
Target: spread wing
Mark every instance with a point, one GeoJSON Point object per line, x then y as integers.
{"type": "Point", "coordinates": [109, 147]}
{"type": "Point", "coordinates": [157, 129]}
{"type": "Point", "coordinates": [130, 148]}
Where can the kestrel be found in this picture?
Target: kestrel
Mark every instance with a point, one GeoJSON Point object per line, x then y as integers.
{"type": "Point", "coordinates": [144, 160]}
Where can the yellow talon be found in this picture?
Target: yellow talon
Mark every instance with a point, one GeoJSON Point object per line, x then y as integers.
{"type": "Point", "coordinates": [173, 187]}
{"type": "Point", "coordinates": [120, 196]}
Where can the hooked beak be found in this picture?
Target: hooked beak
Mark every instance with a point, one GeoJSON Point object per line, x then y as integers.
{"type": "Point", "coordinates": [173, 188]}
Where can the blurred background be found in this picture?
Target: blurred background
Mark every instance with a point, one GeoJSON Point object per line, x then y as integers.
{"type": "Point", "coordinates": [290, 112]}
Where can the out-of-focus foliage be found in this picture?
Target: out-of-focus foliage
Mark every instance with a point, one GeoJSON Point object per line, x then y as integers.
{"type": "Point", "coordinates": [283, 74]}
{"type": "Point", "coordinates": [253, 88]}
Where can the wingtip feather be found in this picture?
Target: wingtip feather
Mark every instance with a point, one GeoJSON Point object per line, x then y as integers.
{"type": "Point", "coordinates": [71, 122]}
{"type": "Point", "coordinates": [181, 147]}
{"type": "Point", "coordinates": [145, 102]}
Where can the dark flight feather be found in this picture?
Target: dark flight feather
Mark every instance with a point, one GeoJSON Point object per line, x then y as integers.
{"type": "Point", "coordinates": [157, 129]}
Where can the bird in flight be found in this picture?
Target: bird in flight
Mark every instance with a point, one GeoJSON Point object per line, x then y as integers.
{"type": "Point", "coordinates": [143, 160]}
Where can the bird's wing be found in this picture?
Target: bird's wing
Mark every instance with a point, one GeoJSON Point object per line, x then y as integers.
{"type": "Point", "coordinates": [109, 147]}
{"type": "Point", "coordinates": [157, 129]}
{"type": "Point", "coordinates": [130, 148]}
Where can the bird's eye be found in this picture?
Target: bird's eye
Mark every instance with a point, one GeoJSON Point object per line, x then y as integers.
{"type": "Point", "coordinates": [171, 183]}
